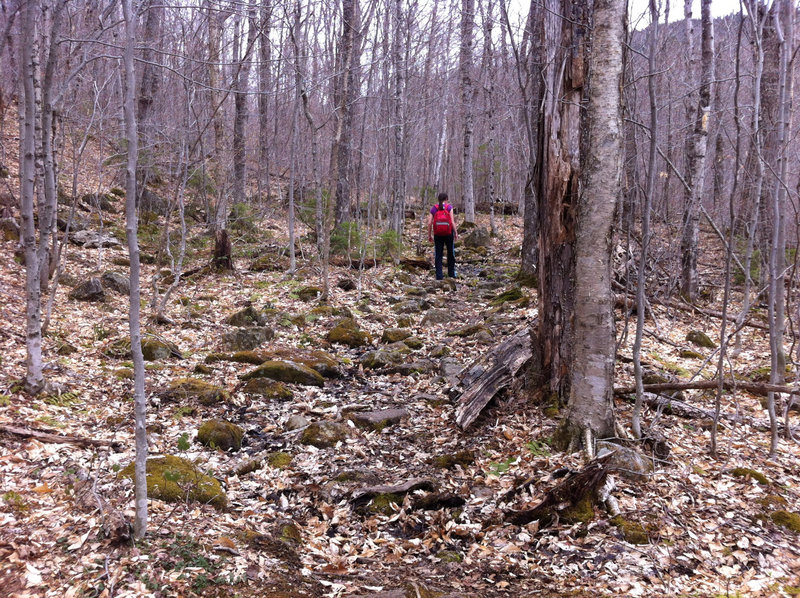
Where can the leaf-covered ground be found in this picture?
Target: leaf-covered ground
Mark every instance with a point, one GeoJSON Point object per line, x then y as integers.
{"type": "Point", "coordinates": [294, 525]}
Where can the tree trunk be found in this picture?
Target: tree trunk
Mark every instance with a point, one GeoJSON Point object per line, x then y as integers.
{"type": "Point", "coordinates": [131, 225]}
{"type": "Point", "coordinates": [591, 405]}
{"type": "Point", "coordinates": [265, 54]}
{"type": "Point", "coordinates": [147, 89]}
{"type": "Point", "coordinates": [465, 66]}
{"type": "Point", "coordinates": [696, 159]}
{"type": "Point", "coordinates": [241, 86]}
{"type": "Point", "coordinates": [399, 171]}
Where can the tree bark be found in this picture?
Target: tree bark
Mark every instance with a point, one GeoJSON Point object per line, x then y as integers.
{"type": "Point", "coordinates": [399, 124]}
{"type": "Point", "coordinates": [591, 405]}
{"type": "Point", "coordinates": [465, 66]}
{"type": "Point", "coordinates": [264, 70]}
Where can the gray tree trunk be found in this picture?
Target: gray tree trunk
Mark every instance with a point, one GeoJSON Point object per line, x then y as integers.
{"type": "Point", "coordinates": [131, 226]}
{"type": "Point", "coordinates": [465, 66]}
{"type": "Point", "coordinates": [399, 118]}
{"type": "Point", "coordinates": [264, 70]}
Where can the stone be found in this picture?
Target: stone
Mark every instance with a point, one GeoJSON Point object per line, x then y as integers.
{"type": "Point", "coordinates": [628, 462]}
{"type": "Point", "coordinates": [414, 342]}
{"type": "Point", "coordinates": [116, 282]}
{"type": "Point", "coordinates": [346, 284]}
{"type": "Point", "coordinates": [191, 388]}
{"type": "Point", "coordinates": [93, 239]}
{"type": "Point", "coordinates": [419, 366]}
{"type": "Point", "coordinates": [269, 389]}
{"type": "Point", "coordinates": [449, 367]}
{"type": "Point", "coordinates": [309, 293]}
{"type": "Point", "coordinates": [468, 330]}
{"type": "Point", "coordinates": [321, 361]}
{"type": "Point", "coordinates": [246, 339]}
{"type": "Point", "coordinates": [478, 237]}
{"type": "Point", "coordinates": [154, 349]}
{"type": "Point", "coordinates": [175, 479]}
{"type": "Point", "coordinates": [701, 339]}
{"type": "Point", "coordinates": [324, 434]}
{"type": "Point", "coordinates": [247, 317]}
{"type": "Point", "coordinates": [373, 360]}
{"type": "Point", "coordinates": [89, 290]}
{"type": "Point", "coordinates": [437, 316]}
{"type": "Point", "coordinates": [220, 434]}
{"type": "Point", "coordinates": [347, 332]}
{"type": "Point", "coordinates": [296, 422]}
{"type": "Point", "coordinates": [393, 335]}
{"type": "Point", "coordinates": [377, 420]}
{"type": "Point", "coordinates": [286, 371]}
{"type": "Point", "coordinates": [9, 229]}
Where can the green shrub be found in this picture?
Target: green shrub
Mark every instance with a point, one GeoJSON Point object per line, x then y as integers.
{"type": "Point", "coordinates": [389, 244]}
{"type": "Point", "coordinates": [345, 237]}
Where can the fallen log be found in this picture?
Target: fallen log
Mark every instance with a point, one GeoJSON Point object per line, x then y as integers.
{"type": "Point", "coordinates": [494, 371]}
{"type": "Point", "coordinates": [43, 436]}
{"type": "Point", "coordinates": [753, 387]}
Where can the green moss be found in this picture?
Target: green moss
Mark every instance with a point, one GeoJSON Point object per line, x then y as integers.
{"type": "Point", "coordinates": [744, 472]}
{"type": "Point", "coordinates": [580, 512]}
{"type": "Point", "coordinates": [286, 371]}
{"type": "Point", "coordinates": [512, 294]}
{"type": "Point", "coordinates": [191, 388]}
{"type": "Point", "coordinates": [462, 458]}
{"type": "Point", "coordinates": [387, 503]}
{"type": "Point", "coordinates": [689, 354]}
{"type": "Point", "coordinates": [220, 434]}
{"type": "Point", "coordinates": [786, 519]}
{"type": "Point", "coordinates": [772, 501]}
{"type": "Point", "coordinates": [701, 339]}
{"type": "Point", "coordinates": [347, 332]}
{"type": "Point", "coordinates": [249, 467]}
{"type": "Point", "coordinates": [174, 479]}
{"type": "Point", "coordinates": [279, 460]}
{"type": "Point", "coordinates": [632, 531]}
{"type": "Point", "coordinates": [449, 556]}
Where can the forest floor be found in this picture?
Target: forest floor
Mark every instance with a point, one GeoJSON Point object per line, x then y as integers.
{"type": "Point", "coordinates": [304, 521]}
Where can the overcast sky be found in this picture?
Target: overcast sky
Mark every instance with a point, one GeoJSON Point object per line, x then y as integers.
{"type": "Point", "coordinates": [640, 13]}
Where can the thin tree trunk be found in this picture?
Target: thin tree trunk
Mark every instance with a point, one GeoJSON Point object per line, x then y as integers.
{"type": "Point", "coordinates": [465, 66]}
{"type": "Point", "coordinates": [398, 125]}
{"type": "Point", "coordinates": [264, 70]}
{"type": "Point", "coordinates": [140, 405]}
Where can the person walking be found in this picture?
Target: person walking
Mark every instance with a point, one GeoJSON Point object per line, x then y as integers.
{"type": "Point", "coordinates": [442, 233]}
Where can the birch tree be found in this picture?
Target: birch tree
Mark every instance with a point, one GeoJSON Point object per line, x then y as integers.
{"type": "Point", "coordinates": [465, 68]}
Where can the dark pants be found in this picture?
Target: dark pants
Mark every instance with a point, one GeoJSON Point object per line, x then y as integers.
{"type": "Point", "coordinates": [439, 243]}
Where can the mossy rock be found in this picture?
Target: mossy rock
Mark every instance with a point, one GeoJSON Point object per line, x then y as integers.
{"type": "Point", "coordinates": [633, 532]}
{"type": "Point", "coordinates": [414, 342]}
{"type": "Point", "coordinates": [249, 316]}
{"type": "Point", "coordinates": [701, 339]}
{"type": "Point", "coordinates": [469, 330]}
{"type": "Point", "coordinates": [279, 460]}
{"type": "Point", "coordinates": [324, 434]}
{"type": "Point", "coordinates": [373, 360]}
{"type": "Point", "coordinates": [175, 479]}
{"type": "Point", "coordinates": [286, 371]}
{"type": "Point", "coordinates": [347, 332]}
{"type": "Point", "coordinates": [512, 294]}
{"type": "Point", "coordinates": [270, 263]}
{"type": "Point", "coordinates": [772, 501]}
{"type": "Point", "coordinates": [309, 293]}
{"type": "Point", "coordinates": [387, 503]}
{"type": "Point", "coordinates": [123, 374]}
{"type": "Point", "coordinates": [321, 361]}
{"type": "Point", "coordinates": [251, 357]}
{"type": "Point", "coordinates": [786, 519]}
{"type": "Point", "coordinates": [689, 354]}
{"type": "Point", "coordinates": [449, 556]}
{"type": "Point", "coordinates": [462, 458]}
{"type": "Point", "coordinates": [747, 473]}
{"type": "Point", "coordinates": [269, 389]}
{"type": "Point", "coordinates": [154, 349]}
{"type": "Point", "coordinates": [394, 335]}
{"type": "Point", "coordinates": [247, 339]}
{"type": "Point", "coordinates": [220, 434]}
{"type": "Point", "coordinates": [192, 388]}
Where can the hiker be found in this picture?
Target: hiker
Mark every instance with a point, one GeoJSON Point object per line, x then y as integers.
{"type": "Point", "coordinates": [442, 232]}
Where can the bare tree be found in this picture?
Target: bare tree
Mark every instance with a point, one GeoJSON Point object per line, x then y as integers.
{"type": "Point", "coordinates": [467, 100]}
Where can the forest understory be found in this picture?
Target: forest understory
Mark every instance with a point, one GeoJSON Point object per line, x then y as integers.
{"type": "Point", "coordinates": [402, 502]}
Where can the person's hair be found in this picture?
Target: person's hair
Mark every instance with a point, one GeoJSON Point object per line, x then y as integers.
{"type": "Point", "coordinates": [442, 198]}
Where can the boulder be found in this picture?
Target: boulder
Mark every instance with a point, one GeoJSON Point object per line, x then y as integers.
{"type": "Point", "coordinates": [175, 479]}
{"type": "Point", "coordinates": [154, 349]}
{"type": "Point", "coordinates": [325, 434]}
{"type": "Point", "coordinates": [296, 422]}
{"type": "Point", "coordinates": [701, 339]}
{"type": "Point", "coordinates": [246, 339]}
{"type": "Point", "coordinates": [373, 360]}
{"type": "Point", "coordinates": [437, 316]}
{"type": "Point", "coordinates": [478, 237]}
{"type": "Point", "coordinates": [309, 293]}
{"type": "Point", "coordinates": [269, 389]}
{"type": "Point", "coordinates": [89, 290]}
{"type": "Point", "coordinates": [347, 332]}
{"type": "Point", "coordinates": [220, 434]}
{"type": "Point", "coordinates": [191, 388]}
{"type": "Point", "coordinates": [93, 239]}
{"type": "Point", "coordinates": [321, 361]}
{"type": "Point", "coordinates": [116, 282]}
{"type": "Point", "coordinates": [286, 371]}
{"type": "Point", "coordinates": [247, 317]}
{"type": "Point", "coordinates": [393, 335]}
{"type": "Point", "coordinates": [377, 420]}
{"type": "Point", "coordinates": [628, 462]}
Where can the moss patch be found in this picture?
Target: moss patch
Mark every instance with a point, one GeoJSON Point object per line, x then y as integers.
{"type": "Point", "coordinates": [347, 332]}
{"type": "Point", "coordinates": [632, 531]}
{"type": "Point", "coordinates": [286, 371]}
{"type": "Point", "coordinates": [580, 512]}
{"type": "Point", "coordinates": [279, 460]}
{"type": "Point", "coordinates": [220, 434]}
{"type": "Point", "coordinates": [269, 389]}
{"type": "Point", "coordinates": [462, 458]}
{"type": "Point", "coordinates": [174, 479]}
{"type": "Point", "coordinates": [786, 519]}
{"type": "Point", "coordinates": [387, 503]}
{"type": "Point", "coordinates": [744, 472]}
{"type": "Point", "coordinates": [191, 388]}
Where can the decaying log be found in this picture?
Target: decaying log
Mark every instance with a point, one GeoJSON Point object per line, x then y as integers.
{"type": "Point", "coordinates": [415, 263]}
{"type": "Point", "coordinates": [567, 494]}
{"type": "Point", "coordinates": [753, 387]}
{"type": "Point", "coordinates": [43, 436]}
{"type": "Point", "coordinates": [494, 371]}
{"type": "Point", "coordinates": [363, 495]}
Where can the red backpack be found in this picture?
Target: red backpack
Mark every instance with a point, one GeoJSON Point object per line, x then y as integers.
{"type": "Point", "coordinates": [442, 227]}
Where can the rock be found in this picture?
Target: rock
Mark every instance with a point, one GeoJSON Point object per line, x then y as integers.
{"type": "Point", "coordinates": [393, 335]}
{"type": "Point", "coordinates": [296, 422]}
{"type": "Point", "coordinates": [321, 361]}
{"type": "Point", "coordinates": [440, 351]}
{"type": "Point", "coordinates": [628, 462]}
{"type": "Point", "coordinates": [154, 349]}
{"type": "Point", "coordinates": [116, 282]}
{"type": "Point", "coordinates": [347, 332]}
{"type": "Point", "coordinates": [220, 434]}
{"type": "Point", "coordinates": [410, 306]}
{"type": "Point", "coordinates": [192, 388]}
{"type": "Point", "coordinates": [309, 293]}
{"type": "Point", "coordinates": [449, 367]}
{"type": "Point", "coordinates": [269, 389]}
{"type": "Point", "coordinates": [468, 330]}
{"type": "Point", "coordinates": [478, 237]}
{"type": "Point", "coordinates": [700, 339]}
{"type": "Point", "coordinates": [9, 229]}
{"type": "Point", "coordinates": [92, 239]}
{"type": "Point", "coordinates": [325, 434]}
{"type": "Point", "coordinates": [414, 342]}
{"type": "Point", "coordinates": [377, 420]}
{"type": "Point", "coordinates": [90, 290]}
{"type": "Point", "coordinates": [346, 284]}
{"type": "Point", "coordinates": [286, 371]}
{"type": "Point", "coordinates": [373, 360]}
{"type": "Point", "coordinates": [247, 317]}
{"type": "Point", "coordinates": [246, 339]}
{"type": "Point", "coordinates": [419, 366]}
{"type": "Point", "coordinates": [175, 479]}
{"type": "Point", "coordinates": [270, 263]}
{"type": "Point", "coordinates": [437, 316]}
